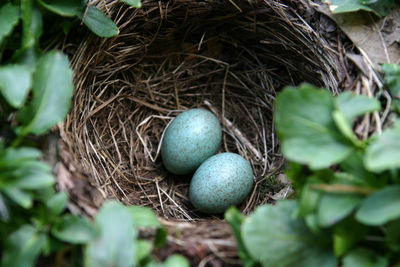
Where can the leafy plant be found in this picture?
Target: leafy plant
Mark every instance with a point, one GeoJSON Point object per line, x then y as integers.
{"type": "Point", "coordinates": [346, 210]}
{"type": "Point", "coordinates": [378, 7]}
{"type": "Point", "coordinates": [36, 88]}
{"type": "Point", "coordinates": [392, 74]}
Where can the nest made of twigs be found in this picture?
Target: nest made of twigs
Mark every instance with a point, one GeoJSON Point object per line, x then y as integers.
{"type": "Point", "coordinates": [230, 57]}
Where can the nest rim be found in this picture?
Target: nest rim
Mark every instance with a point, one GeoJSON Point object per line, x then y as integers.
{"type": "Point", "coordinates": [75, 148]}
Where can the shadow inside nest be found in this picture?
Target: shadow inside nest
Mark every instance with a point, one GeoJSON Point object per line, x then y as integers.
{"type": "Point", "coordinates": [229, 59]}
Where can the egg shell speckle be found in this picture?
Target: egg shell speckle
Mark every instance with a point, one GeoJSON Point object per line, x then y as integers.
{"type": "Point", "coordinates": [221, 181]}
{"type": "Point", "coordinates": [191, 138]}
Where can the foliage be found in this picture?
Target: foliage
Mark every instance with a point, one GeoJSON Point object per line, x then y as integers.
{"type": "Point", "coordinates": [36, 88]}
{"type": "Point", "coordinates": [347, 202]}
{"type": "Point", "coordinates": [378, 7]}
{"type": "Point", "coordinates": [392, 74]}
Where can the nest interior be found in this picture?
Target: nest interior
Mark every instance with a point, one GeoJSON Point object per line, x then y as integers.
{"type": "Point", "coordinates": [230, 57]}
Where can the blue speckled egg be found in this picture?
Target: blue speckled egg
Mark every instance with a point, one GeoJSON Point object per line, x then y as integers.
{"type": "Point", "coordinates": [220, 182]}
{"type": "Point", "coordinates": [191, 138]}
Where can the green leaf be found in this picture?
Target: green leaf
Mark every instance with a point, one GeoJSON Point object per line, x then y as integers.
{"type": "Point", "coordinates": [235, 220]}
{"type": "Point", "coordinates": [23, 247]}
{"type": "Point", "coordinates": [22, 198]}
{"type": "Point", "coordinates": [380, 207]}
{"type": "Point", "coordinates": [306, 128]}
{"type": "Point", "coordinates": [143, 250]}
{"type": "Point", "coordinates": [176, 261]}
{"type": "Point", "coordinates": [15, 82]}
{"type": "Point", "coordinates": [35, 180]}
{"type": "Point", "coordinates": [335, 207]}
{"type": "Point", "coordinates": [346, 236]}
{"type": "Point", "coordinates": [171, 261]}
{"type": "Point", "coordinates": [32, 24]}
{"type": "Point", "coordinates": [144, 217]}
{"type": "Point", "coordinates": [344, 6]}
{"type": "Point", "coordinates": [115, 242]}
{"type": "Point", "coordinates": [392, 80]}
{"type": "Point", "coordinates": [344, 127]}
{"type": "Point", "coordinates": [384, 151]}
{"type": "Point", "coordinates": [275, 238]}
{"type": "Point", "coordinates": [57, 203]}
{"type": "Point", "coordinates": [65, 8]}
{"type": "Point", "coordinates": [352, 105]}
{"type": "Point", "coordinates": [14, 156]}
{"type": "Point", "coordinates": [354, 166]}
{"type": "Point", "coordinates": [73, 229]}
{"type": "Point", "coordinates": [161, 237]}
{"type": "Point", "coordinates": [9, 17]}
{"type": "Point", "coordinates": [52, 92]}
{"type": "Point", "coordinates": [380, 7]}
{"type": "Point", "coordinates": [99, 23]}
{"type": "Point", "coordinates": [365, 258]}
{"type": "Point", "coordinates": [309, 198]}
{"type": "Point", "coordinates": [133, 3]}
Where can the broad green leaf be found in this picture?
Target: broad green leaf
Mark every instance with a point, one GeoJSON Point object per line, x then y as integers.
{"type": "Point", "coordinates": [352, 105]}
{"type": "Point", "coordinates": [65, 8]}
{"type": "Point", "coordinates": [23, 247]}
{"type": "Point", "coordinates": [57, 203]}
{"type": "Point", "coordinates": [35, 180]}
{"type": "Point", "coordinates": [99, 23]}
{"type": "Point", "coordinates": [133, 3]}
{"type": "Point", "coordinates": [384, 151]}
{"type": "Point", "coordinates": [73, 229]}
{"type": "Point", "coordinates": [392, 80]}
{"type": "Point", "coordinates": [143, 250]}
{"type": "Point", "coordinates": [115, 242]}
{"type": "Point", "coordinates": [9, 17]}
{"type": "Point", "coordinates": [335, 207]}
{"type": "Point", "coordinates": [15, 82]}
{"type": "Point", "coordinates": [365, 258]}
{"type": "Point", "coordinates": [22, 198]}
{"type": "Point", "coordinates": [306, 128]}
{"type": "Point", "coordinates": [144, 217]}
{"type": "Point", "coordinates": [235, 220]}
{"type": "Point", "coordinates": [344, 6]}
{"type": "Point", "coordinates": [52, 92]}
{"type": "Point", "coordinates": [274, 237]}
{"type": "Point", "coordinates": [381, 207]}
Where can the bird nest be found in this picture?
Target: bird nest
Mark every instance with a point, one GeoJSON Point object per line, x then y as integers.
{"type": "Point", "coordinates": [230, 57]}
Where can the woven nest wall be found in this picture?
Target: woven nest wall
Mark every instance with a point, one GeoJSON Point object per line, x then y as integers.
{"type": "Point", "coordinates": [230, 57]}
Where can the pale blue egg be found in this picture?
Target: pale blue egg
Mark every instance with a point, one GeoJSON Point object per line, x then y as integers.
{"type": "Point", "coordinates": [222, 181]}
{"type": "Point", "coordinates": [191, 138]}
